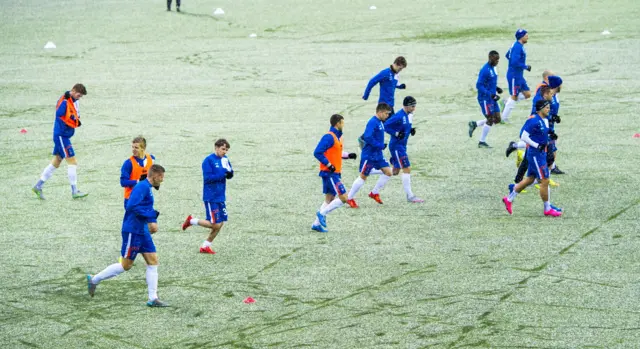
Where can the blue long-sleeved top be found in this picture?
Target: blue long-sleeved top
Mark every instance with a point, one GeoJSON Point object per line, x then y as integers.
{"type": "Point", "coordinates": [125, 171]}
{"type": "Point", "coordinates": [139, 209]}
{"type": "Point", "coordinates": [215, 178]}
{"type": "Point", "coordinates": [517, 57]}
{"type": "Point", "coordinates": [538, 130]}
{"type": "Point", "coordinates": [374, 138]}
{"type": "Point", "coordinates": [400, 121]}
{"type": "Point", "coordinates": [487, 82]}
{"type": "Point", "coordinates": [60, 129]}
{"type": "Point", "coordinates": [388, 80]}
{"type": "Point", "coordinates": [325, 143]}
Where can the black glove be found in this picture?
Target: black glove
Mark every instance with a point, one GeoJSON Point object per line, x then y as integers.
{"type": "Point", "coordinates": [413, 131]}
{"type": "Point", "coordinates": [143, 177]}
{"type": "Point", "coordinates": [157, 213]}
{"type": "Point", "coordinates": [353, 156]}
{"type": "Point", "coordinates": [400, 134]}
{"type": "Point", "coordinates": [499, 90]}
{"type": "Point", "coordinates": [553, 135]}
{"type": "Point", "coordinates": [157, 187]}
{"type": "Point", "coordinates": [495, 97]}
{"type": "Point", "coordinates": [401, 86]}
{"type": "Point", "coordinates": [79, 123]}
{"type": "Point", "coordinates": [528, 68]}
{"type": "Point", "coordinates": [542, 147]}
{"type": "Point", "coordinates": [555, 118]}
{"type": "Point", "coordinates": [384, 146]}
{"type": "Point", "coordinates": [331, 168]}
{"type": "Point", "coordinates": [67, 95]}
{"type": "Point", "coordinates": [229, 175]}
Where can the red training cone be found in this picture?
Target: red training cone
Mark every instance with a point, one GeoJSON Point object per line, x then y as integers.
{"type": "Point", "coordinates": [249, 300]}
{"type": "Point", "coordinates": [637, 135]}
{"type": "Point", "coordinates": [23, 131]}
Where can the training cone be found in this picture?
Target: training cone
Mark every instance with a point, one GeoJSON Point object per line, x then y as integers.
{"type": "Point", "coordinates": [606, 32]}
{"type": "Point", "coordinates": [637, 135]}
{"type": "Point", "coordinates": [218, 12]}
{"type": "Point", "coordinates": [253, 35]}
{"type": "Point", "coordinates": [249, 300]}
{"type": "Point", "coordinates": [49, 45]}
{"type": "Point", "coordinates": [23, 131]}
{"type": "Point", "coordinates": [373, 7]}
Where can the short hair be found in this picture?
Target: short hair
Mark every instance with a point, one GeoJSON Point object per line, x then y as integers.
{"type": "Point", "coordinates": [383, 107]}
{"type": "Point", "coordinates": [544, 89]}
{"type": "Point", "coordinates": [493, 53]}
{"type": "Point", "coordinates": [80, 88]}
{"type": "Point", "coordinates": [335, 119]}
{"type": "Point", "coordinates": [155, 168]}
{"type": "Point", "coordinates": [546, 73]}
{"type": "Point", "coordinates": [140, 140]}
{"type": "Point", "coordinates": [220, 142]}
{"type": "Point", "coordinates": [400, 61]}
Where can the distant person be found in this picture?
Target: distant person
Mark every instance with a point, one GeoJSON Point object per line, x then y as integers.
{"type": "Point", "coordinates": [488, 96]}
{"type": "Point", "coordinates": [177, 5]}
{"type": "Point", "coordinates": [518, 88]}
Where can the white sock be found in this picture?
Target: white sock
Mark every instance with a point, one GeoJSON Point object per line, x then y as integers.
{"type": "Point", "coordinates": [508, 107]}
{"type": "Point", "coordinates": [47, 173]}
{"type": "Point", "coordinates": [512, 196]}
{"type": "Point", "coordinates": [357, 184]}
{"type": "Point", "coordinates": [73, 177]}
{"type": "Point", "coordinates": [375, 172]}
{"type": "Point", "coordinates": [322, 207]}
{"type": "Point", "coordinates": [406, 183]}
{"type": "Point", "coordinates": [553, 166]}
{"type": "Point", "coordinates": [336, 203]}
{"type": "Point", "coordinates": [206, 243]}
{"type": "Point", "coordinates": [152, 281]}
{"type": "Point", "coordinates": [108, 272]}
{"type": "Point", "coordinates": [547, 205]}
{"type": "Point", "coordinates": [521, 145]}
{"type": "Point", "coordinates": [380, 184]}
{"type": "Point", "coordinates": [194, 221]}
{"type": "Point", "coordinates": [485, 132]}
{"type": "Point", "coordinates": [521, 96]}
{"type": "Point", "coordinates": [481, 122]}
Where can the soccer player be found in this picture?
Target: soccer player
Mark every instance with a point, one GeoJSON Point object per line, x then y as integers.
{"type": "Point", "coordinates": [518, 88]}
{"type": "Point", "coordinates": [535, 133]}
{"type": "Point", "coordinates": [66, 122]}
{"type": "Point", "coordinates": [555, 82]}
{"type": "Point", "coordinates": [135, 168]}
{"type": "Point", "coordinates": [216, 170]}
{"type": "Point", "coordinates": [177, 5]}
{"type": "Point", "coordinates": [400, 127]}
{"type": "Point", "coordinates": [371, 156]}
{"type": "Point", "coordinates": [329, 152]}
{"type": "Point", "coordinates": [136, 239]}
{"type": "Point", "coordinates": [488, 96]}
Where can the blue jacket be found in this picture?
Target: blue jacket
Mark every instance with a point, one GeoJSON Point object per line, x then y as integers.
{"type": "Point", "coordinates": [517, 57]}
{"type": "Point", "coordinates": [374, 138]}
{"type": "Point", "coordinates": [214, 178]}
{"type": "Point", "coordinates": [139, 209]}
{"type": "Point", "coordinates": [400, 121]}
{"type": "Point", "coordinates": [325, 143]}
{"type": "Point", "coordinates": [388, 81]}
{"type": "Point", "coordinates": [487, 82]}
{"type": "Point", "coordinates": [125, 172]}
{"type": "Point", "coordinates": [538, 132]}
{"type": "Point", "coordinates": [60, 129]}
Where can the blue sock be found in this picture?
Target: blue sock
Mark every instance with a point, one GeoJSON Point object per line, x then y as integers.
{"type": "Point", "coordinates": [39, 184]}
{"type": "Point", "coordinates": [74, 189]}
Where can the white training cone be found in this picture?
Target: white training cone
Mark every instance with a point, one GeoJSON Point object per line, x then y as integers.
{"type": "Point", "coordinates": [253, 35]}
{"type": "Point", "coordinates": [373, 7]}
{"type": "Point", "coordinates": [50, 44]}
{"type": "Point", "coordinates": [606, 32]}
{"type": "Point", "coordinates": [218, 12]}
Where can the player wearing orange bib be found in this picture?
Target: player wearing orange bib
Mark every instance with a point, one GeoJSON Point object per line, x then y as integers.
{"type": "Point", "coordinates": [135, 168]}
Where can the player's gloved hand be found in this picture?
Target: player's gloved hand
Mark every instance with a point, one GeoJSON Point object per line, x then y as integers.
{"type": "Point", "coordinates": [528, 68]}
{"type": "Point", "coordinates": [413, 131]}
{"type": "Point", "coordinates": [331, 168]}
{"type": "Point", "coordinates": [365, 97]}
{"type": "Point", "coordinates": [143, 177]}
{"type": "Point", "coordinates": [157, 213]}
{"type": "Point", "coordinates": [400, 134]}
{"type": "Point", "coordinates": [79, 123]}
{"type": "Point", "coordinates": [229, 175]}
{"type": "Point", "coordinates": [157, 187]}
{"type": "Point", "coordinates": [384, 146]}
{"type": "Point", "coordinates": [401, 86]}
{"type": "Point", "coordinates": [499, 90]}
{"type": "Point", "coordinates": [553, 135]}
{"type": "Point", "coordinates": [542, 147]}
{"type": "Point", "coordinates": [495, 97]}
{"type": "Point", "coordinates": [353, 156]}
{"type": "Point", "coordinates": [555, 118]}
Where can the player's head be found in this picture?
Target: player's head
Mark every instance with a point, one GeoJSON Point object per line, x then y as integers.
{"type": "Point", "coordinates": [555, 82]}
{"type": "Point", "coordinates": [542, 107]}
{"type": "Point", "coordinates": [138, 146]}
{"type": "Point", "coordinates": [382, 111]}
{"type": "Point", "coordinates": [546, 92]}
{"type": "Point", "coordinates": [522, 36]}
{"type": "Point", "coordinates": [222, 147]}
{"type": "Point", "coordinates": [409, 104]}
{"type": "Point", "coordinates": [337, 121]}
{"type": "Point", "coordinates": [399, 64]}
{"type": "Point", "coordinates": [156, 175]}
{"type": "Point", "coordinates": [77, 91]}
{"type": "Point", "coordinates": [545, 74]}
{"type": "Point", "coordinates": [494, 58]}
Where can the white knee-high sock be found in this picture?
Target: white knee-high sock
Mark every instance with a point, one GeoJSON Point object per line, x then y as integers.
{"type": "Point", "coordinates": [485, 132]}
{"type": "Point", "coordinates": [406, 183]}
{"type": "Point", "coordinates": [152, 281]}
{"type": "Point", "coordinates": [357, 184]}
{"type": "Point", "coordinates": [521, 96]}
{"type": "Point", "coordinates": [73, 177]}
{"type": "Point", "coordinates": [114, 269]}
{"type": "Point", "coordinates": [521, 145]}
{"type": "Point", "coordinates": [508, 107]}
{"type": "Point", "coordinates": [336, 203]}
{"type": "Point", "coordinates": [481, 122]}
{"type": "Point", "coordinates": [47, 173]}
{"type": "Point", "coordinates": [380, 184]}
{"type": "Point", "coordinates": [322, 207]}
{"type": "Point", "coordinates": [194, 221]}
{"type": "Point", "coordinates": [375, 172]}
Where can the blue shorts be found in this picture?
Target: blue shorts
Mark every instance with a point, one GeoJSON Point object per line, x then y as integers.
{"type": "Point", "coordinates": [216, 212]}
{"type": "Point", "coordinates": [132, 244]}
{"type": "Point", "coordinates": [517, 85]}
{"type": "Point", "coordinates": [366, 165]}
{"type": "Point", "coordinates": [62, 147]}
{"type": "Point", "coordinates": [537, 165]}
{"type": "Point", "coordinates": [399, 158]}
{"type": "Point", "coordinates": [489, 107]}
{"type": "Point", "coordinates": [332, 184]}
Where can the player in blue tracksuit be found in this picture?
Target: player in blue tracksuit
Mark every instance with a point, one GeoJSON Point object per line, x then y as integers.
{"type": "Point", "coordinates": [535, 133]}
{"type": "Point", "coordinates": [518, 88]}
{"type": "Point", "coordinates": [216, 170]}
{"type": "Point", "coordinates": [140, 221]}
{"type": "Point", "coordinates": [372, 157]}
{"type": "Point", "coordinates": [488, 96]}
{"type": "Point", "coordinates": [555, 83]}
{"type": "Point", "coordinates": [66, 121]}
{"type": "Point", "coordinates": [400, 127]}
